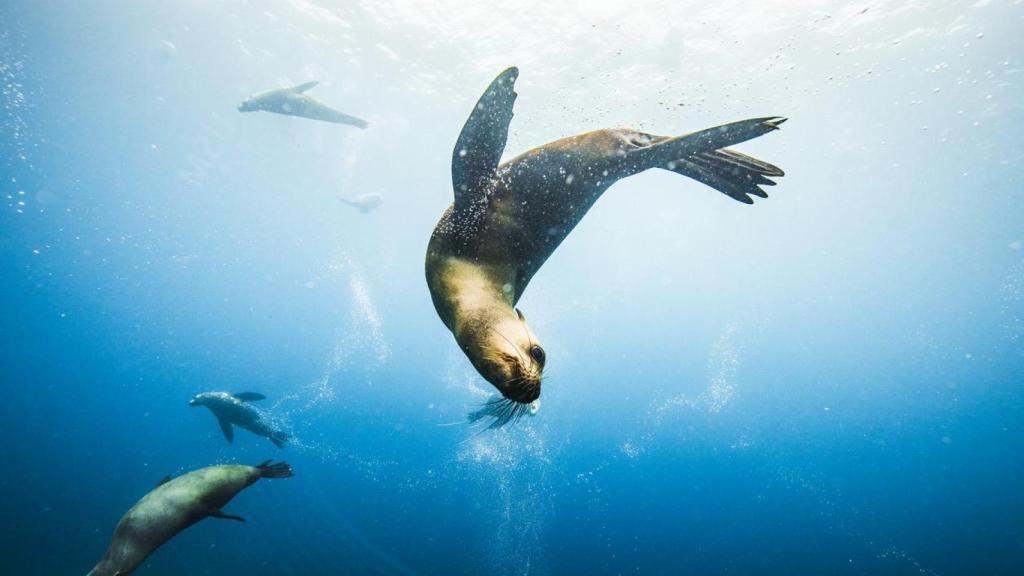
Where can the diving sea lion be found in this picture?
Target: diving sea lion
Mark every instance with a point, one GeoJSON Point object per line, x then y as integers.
{"type": "Point", "coordinates": [232, 409]}
{"type": "Point", "coordinates": [173, 506]}
{"type": "Point", "coordinates": [507, 219]}
{"type": "Point", "coordinates": [364, 202]}
{"type": "Point", "coordinates": [293, 102]}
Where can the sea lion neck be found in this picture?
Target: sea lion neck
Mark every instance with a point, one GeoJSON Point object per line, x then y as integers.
{"type": "Point", "coordinates": [480, 296]}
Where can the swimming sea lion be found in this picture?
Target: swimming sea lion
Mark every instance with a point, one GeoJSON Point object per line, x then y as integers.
{"type": "Point", "coordinates": [507, 219]}
{"type": "Point", "coordinates": [365, 202]}
{"type": "Point", "coordinates": [232, 409]}
{"type": "Point", "coordinates": [173, 506]}
{"type": "Point", "coordinates": [293, 102]}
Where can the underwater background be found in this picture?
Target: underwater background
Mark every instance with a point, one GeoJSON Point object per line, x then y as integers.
{"type": "Point", "coordinates": [828, 381]}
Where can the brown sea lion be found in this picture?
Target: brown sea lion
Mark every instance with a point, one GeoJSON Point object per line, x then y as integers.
{"type": "Point", "coordinates": [508, 218]}
{"type": "Point", "coordinates": [173, 506]}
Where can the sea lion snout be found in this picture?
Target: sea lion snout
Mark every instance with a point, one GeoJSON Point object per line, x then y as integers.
{"type": "Point", "coordinates": [513, 360]}
{"type": "Point", "coordinates": [524, 392]}
{"type": "Point", "coordinates": [512, 379]}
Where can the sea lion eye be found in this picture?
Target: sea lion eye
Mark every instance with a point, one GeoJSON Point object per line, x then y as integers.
{"type": "Point", "coordinates": [537, 353]}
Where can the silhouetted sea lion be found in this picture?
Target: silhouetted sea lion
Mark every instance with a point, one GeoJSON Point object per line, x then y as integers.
{"type": "Point", "coordinates": [365, 202]}
{"type": "Point", "coordinates": [507, 219]}
{"type": "Point", "coordinates": [232, 409]}
{"type": "Point", "coordinates": [173, 506]}
{"type": "Point", "coordinates": [294, 102]}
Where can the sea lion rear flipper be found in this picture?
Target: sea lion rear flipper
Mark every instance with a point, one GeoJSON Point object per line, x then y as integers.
{"type": "Point", "coordinates": [279, 470]}
{"type": "Point", "coordinates": [702, 156]}
{"type": "Point", "coordinates": [249, 396]}
{"type": "Point", "coordinates": [483, 137]}
{"type": "Point", "coordinates": [329, 114]}
{"type": "Point", "coordinates": [221, 514]}
{"type": "Point", "coordinates": [226, 428]}
{"type": "Point", "coordinates": [736, 175]}
{"type": "Point", "coordinates": [661, 151]}
{"type": "Point", "coordinates": [303, 87]}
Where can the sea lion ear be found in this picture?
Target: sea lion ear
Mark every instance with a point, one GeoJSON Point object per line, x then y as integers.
{"type": "Point", "coordinates": [520, 314]}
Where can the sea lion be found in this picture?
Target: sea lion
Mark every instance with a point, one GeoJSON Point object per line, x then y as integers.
{"type": "Point", "coordinates": [508, 218]}
{"type": "Point", "coordinates": [294, 102]}
{"type": "Point", "coordinates": [364, 202]}
{"type": "Point", "coordinates": [232, 409]}
{"type": "Point", "coordinates": [173, 506]}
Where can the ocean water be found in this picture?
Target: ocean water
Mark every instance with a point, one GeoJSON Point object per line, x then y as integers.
{"type": "Point", "coordinates": [829, 381]}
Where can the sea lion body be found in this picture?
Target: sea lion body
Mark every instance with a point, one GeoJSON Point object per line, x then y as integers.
{"type": "Point", "coordinates": [294, 102]}
{"type": "Point", "coordinates": [537, 200]}
{"type": "Point", "coordinates": [508, 218]}
{"type": "Point", "coordinates": [234, 410]}
{"type": "Point", "coordinates": [364, 202]}
{"type": "Point", "coordinates": [175, 505]}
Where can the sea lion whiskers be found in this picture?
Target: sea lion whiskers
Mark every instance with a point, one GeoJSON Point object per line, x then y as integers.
{"type": "Point", "coordinates": [502, 410]}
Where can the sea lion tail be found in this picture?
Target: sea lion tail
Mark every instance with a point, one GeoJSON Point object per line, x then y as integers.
{"type": "Point", "coordinates": [702, 156]}
{"type": "Point", "coordinates": [736, 175]}
{"type": "Point", "coordinates": [279, 470]}
{"type": "Point", "coordinates": [329, 114]}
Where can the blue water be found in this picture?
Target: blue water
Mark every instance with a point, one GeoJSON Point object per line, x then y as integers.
{"type": "Point", "coordinates": [829, 381]}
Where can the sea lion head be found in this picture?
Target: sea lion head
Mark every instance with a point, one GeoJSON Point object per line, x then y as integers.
{"type": "Point", "coordinates": [248, 105]}
{"type": "Point", "coordinates": [509, 356]}
{"type": "Point", "coordinates": [201, 399]}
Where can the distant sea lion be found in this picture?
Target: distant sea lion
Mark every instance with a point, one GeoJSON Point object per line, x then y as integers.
{"type": "Point", "coordinates": [507, 219]}
{"type": "Point", "coordinates": [365, 202]}
{"type": "Point", "coordinates": [293, 102]}
{"type": "Point", "coordinates": [232, 409]}
{"type": "Point", "coordinates": [173, 506]}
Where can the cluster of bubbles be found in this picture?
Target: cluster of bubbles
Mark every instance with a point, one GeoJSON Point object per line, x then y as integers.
{"type": "Point", "coordinates": [13, 127]}
{"type": "Point", "coordinates": [1012, 298]}
{"type": "Point", "coordinates": [516, 469]}
{"type": "Point", "coordinates": [512, 466]}
{"type": "Point", "coordinates": [723, 361]}
{"type": "Point", "coordinates": [14, 101]}
{"type": "Point", "coordinates": [364, 333]}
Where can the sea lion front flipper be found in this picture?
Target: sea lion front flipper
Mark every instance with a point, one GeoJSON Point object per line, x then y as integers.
{"type": "Point", "coordinates": [483, 137]}
{"type": "Point", "coordinates": [249, 396]}
{"type": "Point", "coordinates": [303, 87]}
{"type": "Point", "coordinates": [226, 428]}
{"type": "Point", "coordinates": [221, 514]}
